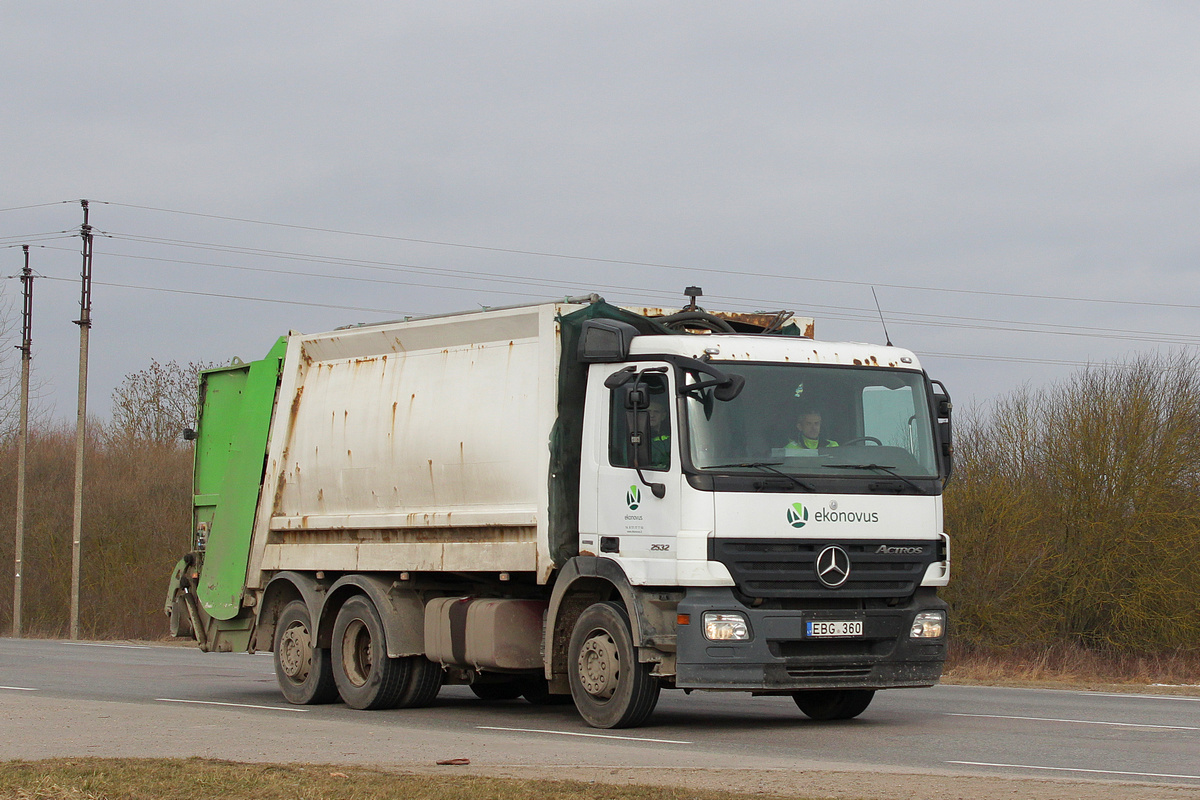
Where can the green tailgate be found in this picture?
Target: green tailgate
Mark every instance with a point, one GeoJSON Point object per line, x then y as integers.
{"type": "Point", "coordinates": [231, 448]}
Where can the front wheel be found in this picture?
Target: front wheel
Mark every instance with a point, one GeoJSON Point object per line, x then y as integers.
{"type": "Point", "coordinates": [611, 689]}
{"type": "Point", "coordinates": [830, 704]}
{"type": "Point", "coordinates": [366, 678]}
{"type": "Point", "coordinates": [303, 670]}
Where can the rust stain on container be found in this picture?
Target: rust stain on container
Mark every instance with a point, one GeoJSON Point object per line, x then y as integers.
{"type": "Point", "coordinates": [295, 405]}
{"type": "Point", "coordinates": [277, 502]}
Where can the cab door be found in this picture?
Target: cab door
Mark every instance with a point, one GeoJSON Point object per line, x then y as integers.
{"type": "Point", "coordinates": [637, 427]}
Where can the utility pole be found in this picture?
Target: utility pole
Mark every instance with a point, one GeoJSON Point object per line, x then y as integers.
{"type": "Point", "coordinates": [26, 349]}
{"type": "Point", "coordinates": [85, 324]}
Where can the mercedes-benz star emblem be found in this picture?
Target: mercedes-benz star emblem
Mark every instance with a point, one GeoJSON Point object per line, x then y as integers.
{"type": "Point", "coordinates": [833, 566]}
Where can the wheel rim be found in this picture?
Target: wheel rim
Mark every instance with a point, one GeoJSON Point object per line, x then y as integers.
{"type": "Point", "coordinates": [599, 665]}
{"type": "Point", "coordinates": [356, 652]}
{"type": "Point", "coordinates": [295, 652]}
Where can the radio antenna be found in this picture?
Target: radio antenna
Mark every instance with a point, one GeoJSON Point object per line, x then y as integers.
{"type": "Point", "coordinates": [881, 320]}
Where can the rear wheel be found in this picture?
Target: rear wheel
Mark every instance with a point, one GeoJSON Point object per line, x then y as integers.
{"type": "Point", "coordinates": [424, 683]}
{"type": "Point", "coordinates": [303, 670]}
{"type": "Point", "coordinates": [830, 704]}
{"type": "Point", "coordinates": [610, 688]}
{"type": "Point", "coordinates": [366, 678]}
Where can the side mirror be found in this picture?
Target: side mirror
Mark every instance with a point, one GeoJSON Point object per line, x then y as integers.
{"type": "Point", "coordinates": [620, 378]}
{"type": "Point", "coordinates": [637, 398]}
{"type": "Point", "coordinates": [731, 389]}
{"type": "Point", "coordinates": [945, 433]}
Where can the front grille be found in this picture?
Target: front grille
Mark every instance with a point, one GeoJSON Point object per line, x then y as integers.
{"type": "Point", "coordinates": [832, 671]}
{"type": "Point", "coordinates": [774, 568]}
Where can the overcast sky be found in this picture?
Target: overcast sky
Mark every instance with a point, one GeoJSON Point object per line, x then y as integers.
{"type": "Point", "coordinates": [1020, 182]}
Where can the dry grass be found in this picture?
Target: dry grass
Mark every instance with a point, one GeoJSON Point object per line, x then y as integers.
{"type": "Point", "coordinates": [1073, 666]}
{"type": "Point", "coordinates": [202, 779]}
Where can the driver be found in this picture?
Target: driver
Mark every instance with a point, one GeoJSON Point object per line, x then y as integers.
{"type": "Point", "coordinates": [808, 428]}
{"type": "Point", "coordinates": [660, 434]}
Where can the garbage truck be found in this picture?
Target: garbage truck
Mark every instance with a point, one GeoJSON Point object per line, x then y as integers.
{"type": "Point", "coordinates": [573, 501]}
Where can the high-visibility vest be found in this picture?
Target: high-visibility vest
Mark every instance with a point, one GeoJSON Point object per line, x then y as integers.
{"type": "Point", "coordinates": [806, 443]}
{"type": "Point", "coordinates": [660, 450]}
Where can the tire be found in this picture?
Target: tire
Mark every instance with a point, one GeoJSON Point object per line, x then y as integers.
{"type": "Point", "coordinates": [508, 690]}
{"type": "Point", "coordinates": [304, 673]}
{"type": "Point", "coordinates": [366, 678]}
{"type": "Point", "coordinates": [424, 683]}
{"type": "Point", "coordinates": [830, 704]}
{"type": "Point", "coordinates": [610, 688]}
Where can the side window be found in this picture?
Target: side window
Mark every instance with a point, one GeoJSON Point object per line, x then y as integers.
{"type": "Point", "coordinates": [654, 418]}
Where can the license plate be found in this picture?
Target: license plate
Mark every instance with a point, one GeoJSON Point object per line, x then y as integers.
{"type": "Point", "coordinates": [828, 629]}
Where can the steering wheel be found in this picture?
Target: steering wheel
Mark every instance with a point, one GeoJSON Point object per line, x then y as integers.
{"type": "Point", "coordinates": [864, 440]}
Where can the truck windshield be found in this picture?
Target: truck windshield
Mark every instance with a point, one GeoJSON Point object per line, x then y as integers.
{"type": "Point", "coordinates": [816, 420]}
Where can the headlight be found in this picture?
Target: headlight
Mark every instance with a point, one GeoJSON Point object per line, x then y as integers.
{"type": "Point", "coordinates": [720, 626]}
{"type": "Point", "coordinates": [928, 625]}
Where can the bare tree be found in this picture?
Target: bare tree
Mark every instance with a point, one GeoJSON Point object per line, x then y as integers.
{"type": "Point", "coordinates": [157, 403]}
{"type": "Point", "coordinates": [10, 372]}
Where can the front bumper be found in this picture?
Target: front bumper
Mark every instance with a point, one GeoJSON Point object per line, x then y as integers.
{"type": "Point", "coordinates": [779, 657]}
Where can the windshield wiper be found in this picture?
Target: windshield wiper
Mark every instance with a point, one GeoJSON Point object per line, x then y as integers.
{"type": "Point", "coordinates": [881, 468]}
{"type": "Point", "coordinates": [769, 466]}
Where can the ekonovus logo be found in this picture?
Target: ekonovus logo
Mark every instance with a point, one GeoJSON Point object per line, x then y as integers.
{"type": "Point", "coordinates": [797, 515]}
{"type": "Point", "coordinates": [633, 498]}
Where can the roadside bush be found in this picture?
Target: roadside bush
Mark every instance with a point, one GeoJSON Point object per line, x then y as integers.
{"type": "Point", "coordinates": [1075, 515]}
{"type": "Point", "coordinates": [136, 522]}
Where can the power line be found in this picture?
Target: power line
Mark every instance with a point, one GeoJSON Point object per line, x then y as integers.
{"type": "Point", "coordinates": [38, 205]}
{"type": "Point", "coordinates": [396, 313]}
{"type": "Point", "coordinates": [855, 313]}
{"type": "Point", "coordinates": [47, 236]}
{"type": "Point", "coordinates": [829, 311]}
{"type": "Point", "coordinates": [236, 297]}
{"type": "Point", "coordinates": [627, 262]}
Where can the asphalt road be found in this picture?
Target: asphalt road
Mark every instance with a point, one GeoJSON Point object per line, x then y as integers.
{"type": "Point", "coordinates": [73, 699]}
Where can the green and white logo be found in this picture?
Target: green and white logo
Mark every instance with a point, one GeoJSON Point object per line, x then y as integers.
{"type": "Point", "coordinates": [633, 498]}
{"type": "Point", "coordinates": [797, 515]}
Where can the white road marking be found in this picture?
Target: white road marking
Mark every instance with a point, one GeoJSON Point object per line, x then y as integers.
{"type": "Point", "coordinates": [18, 688]}
{"type": "Point", "coordinates": [591, 735]}
{"type": "Point", "coordinates": [1078, 769]}
{"type": "Point", "coordinates": [1080, 722]}
{"type": "Point", "coordinates": [120, 646]}
{"type": "Point", "coordinates": [230, 705]}
{"type": "Point", "coordinates": [1142, 696]}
